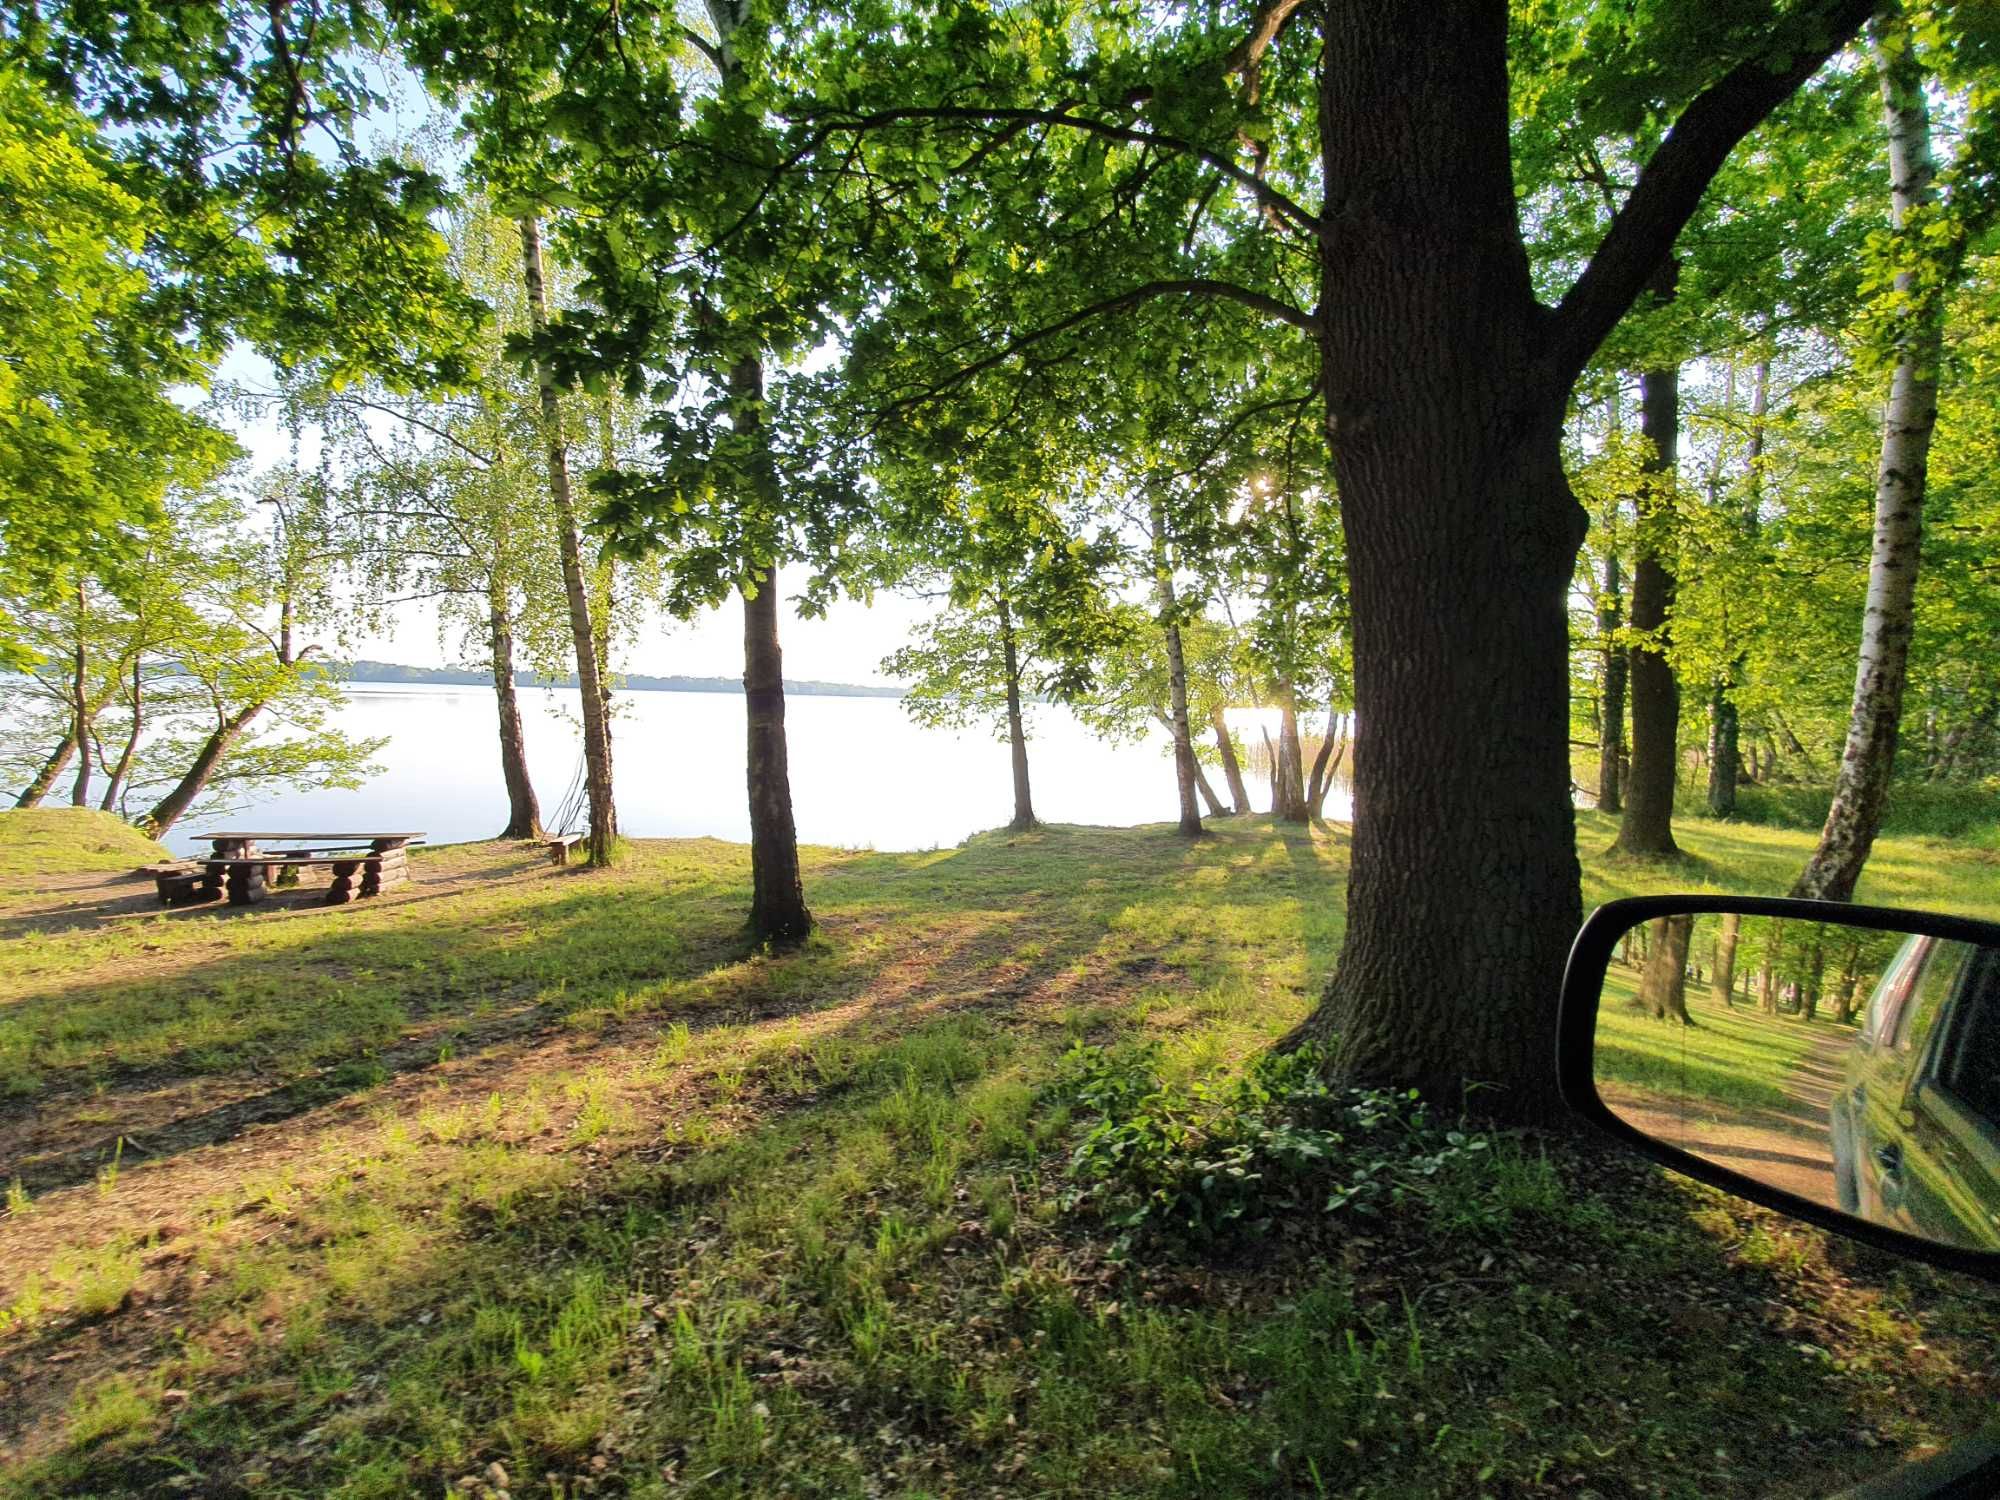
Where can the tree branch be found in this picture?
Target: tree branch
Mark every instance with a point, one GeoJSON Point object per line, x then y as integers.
{"type": "Point", "coordinates": [1264, 193]}
{"type": "Point", "coordinates": [1671, 185]}
{"type": "Point", "coordinates": [1191, 286]}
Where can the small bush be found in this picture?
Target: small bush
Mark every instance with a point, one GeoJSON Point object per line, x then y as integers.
{"type": "Point", "coordinates": [1201, 1165]}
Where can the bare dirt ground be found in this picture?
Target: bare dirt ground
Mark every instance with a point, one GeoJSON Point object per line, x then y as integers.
{"type": "Point", "coordinates": [1790, 1149]}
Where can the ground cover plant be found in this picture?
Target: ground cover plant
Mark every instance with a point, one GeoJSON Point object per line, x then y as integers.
{"type": "Point", "coordinates": [549, 1183]}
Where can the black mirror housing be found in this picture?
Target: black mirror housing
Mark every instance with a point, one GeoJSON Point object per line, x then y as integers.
{"type": "Point", "coordinates": [1584, 982]}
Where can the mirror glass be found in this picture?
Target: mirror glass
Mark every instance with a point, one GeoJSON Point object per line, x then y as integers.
{"type": "Point", "coordinates": [1857, 1068]}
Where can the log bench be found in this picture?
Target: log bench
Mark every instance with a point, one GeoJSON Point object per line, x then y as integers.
{"type": "Point", "coordinates": [363, 864]}
{"type": "Point", "coordinates": [559, 846]}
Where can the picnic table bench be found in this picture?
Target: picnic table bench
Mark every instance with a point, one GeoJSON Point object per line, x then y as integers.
{"type": "Point", "coordinates": [363, 864]}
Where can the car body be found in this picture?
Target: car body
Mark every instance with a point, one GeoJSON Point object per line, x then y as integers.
{"type": "Point", "coordinates": [1916, 1121]}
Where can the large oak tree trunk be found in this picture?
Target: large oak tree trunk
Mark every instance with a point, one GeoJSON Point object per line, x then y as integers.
{"type": "Point", "coordinates": [1663, 982]}
{"type": "Point", "coordinates": [1017, 734]}
{"type": "Point", "coordinates": [778, 912]}
{"type": "Point", "coordinates": [1647, 828]}
{"type": "Point", "coordinates": [583, 632]}
{"type": "Point", "coordinates": [1462, 535]}
{"type": "Point", "coordinates": [1862, 787]}
{"type": "Point", "coordinates": [524, 813]}
{"type": "Point", "coordinates": [1232, 768]}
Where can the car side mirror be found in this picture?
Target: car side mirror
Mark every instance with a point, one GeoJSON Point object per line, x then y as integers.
{"type": "Point", "coordinates": [1837, 1063]}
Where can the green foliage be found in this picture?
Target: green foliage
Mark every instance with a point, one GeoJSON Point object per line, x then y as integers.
{"type": "Point", "coordinates": [90, 434]}
{"type": "Point", "coordinates": [1203, 1165]}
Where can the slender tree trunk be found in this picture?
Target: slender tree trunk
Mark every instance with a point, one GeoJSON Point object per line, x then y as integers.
{"type": "Point", "coordinates": [1646, 830]}
{"type": "Point", "coordinates": [1815, 975]}
{"type": "Point", "coordinates": [32, 794]}
{"type": "Point", "coordinates": [1017, 734]}
{"type": "Point", "coordinates": [1288, 783]}
{"type": "Point", "coordinates": [778, 912]}
{"type": "Point", "coordinates": [167, 811]}
{"type": "Point", "coordinates": [1326, 765]}
{"type": "Point", "coordinates": [1767, 979]}
{"type": "Point", "coordinates": [524, 813]}
{"type": "Point", "coordinates": [1725, 761]}
{"type": "Point", "coordinates": [1184, 761]}
{"type": "Point", "coordinates": [124, 767]}
{"type": "Point", "coordinates": [1862, 788]}
{"type": "Point", "coordinates": [1611, 705]}
{"type": "Point", "coordinates": [80, 706]}
{"type": "Point", "coordinates": [1232, 768]}
{"type": "Point", "coordinates": [583, 632]}
{"type": "Point", "coordinates": [1207, 790]}
{"type": "Point", "coordinates": [1724, 986]}
{"type": "Point", "coordinates": [1725, 764]}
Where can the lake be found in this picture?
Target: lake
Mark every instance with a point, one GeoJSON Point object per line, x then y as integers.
{"type": "Point", "coordinates": [863, 776]}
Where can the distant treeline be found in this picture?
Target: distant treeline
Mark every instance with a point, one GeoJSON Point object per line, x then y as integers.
{"type": "Point", "coordinates": [387, 671]}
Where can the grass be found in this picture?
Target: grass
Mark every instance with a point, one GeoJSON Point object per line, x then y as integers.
{"type": "Point", "coordinates": [1731, 1055]}
{"type": "Point", "coordinates": [547, 1170]}
{"type": "Point", "coordinates": [62, 839]}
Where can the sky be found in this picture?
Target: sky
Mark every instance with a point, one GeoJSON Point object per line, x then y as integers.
{"type": "Point", "coordinates": [847, 645]}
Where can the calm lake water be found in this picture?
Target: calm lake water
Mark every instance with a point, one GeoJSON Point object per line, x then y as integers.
{"type": "Point", "coordinates": [863, 776]}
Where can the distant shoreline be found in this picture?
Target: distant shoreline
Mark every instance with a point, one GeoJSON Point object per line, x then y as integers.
{"type": "Point", "coordinates": [393, 674]}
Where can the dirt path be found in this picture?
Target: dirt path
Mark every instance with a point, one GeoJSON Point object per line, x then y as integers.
{"type": "Point", "coordinates": [1790, 1149]}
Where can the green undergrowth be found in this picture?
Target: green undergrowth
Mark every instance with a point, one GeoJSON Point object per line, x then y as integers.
{"type": "Point", "coordinates": [990, 1190]}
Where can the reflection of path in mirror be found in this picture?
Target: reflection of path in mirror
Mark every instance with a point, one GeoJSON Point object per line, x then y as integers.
{"type": "Point", "coordinates": [1789, 1148]}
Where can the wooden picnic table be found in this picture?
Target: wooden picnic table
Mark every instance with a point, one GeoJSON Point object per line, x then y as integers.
{"type": "Point", "coordinates": [363, 864]}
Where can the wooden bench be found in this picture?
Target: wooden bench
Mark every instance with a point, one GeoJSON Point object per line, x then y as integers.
{"type": "Point", "coordinates": [363, 864]}
{"type": "Point", "coordinates": [559, 846]}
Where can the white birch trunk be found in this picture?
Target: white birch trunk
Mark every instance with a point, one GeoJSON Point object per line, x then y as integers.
{"type": "Point", "coordinates": [1911, 415]}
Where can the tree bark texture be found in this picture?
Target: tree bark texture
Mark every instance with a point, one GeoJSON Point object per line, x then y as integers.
{"type": "Point", "coordinates": [1724, 985]}
{"type": "Point", "coordinates": [524, 813]}
{"type": "Point", "coordinates": [1177, 701]}
{"type": "Point", "coordinates": [1445, 384]}
{"type": "Point", "coordinates": [1647, 827]}
{"type": "Point", "coordinates": [778, 912]}
{"type": "Point", "coordinates": [1445, 427]}
{"type": "Point", "coordinates": [1232, 768]}
{"type": "Point", "coordinates": [1017, 734]}
{"type": "Point", "coordinates": [1862, 787]}
{"type": "Point", "coordinates": [583, 632]}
